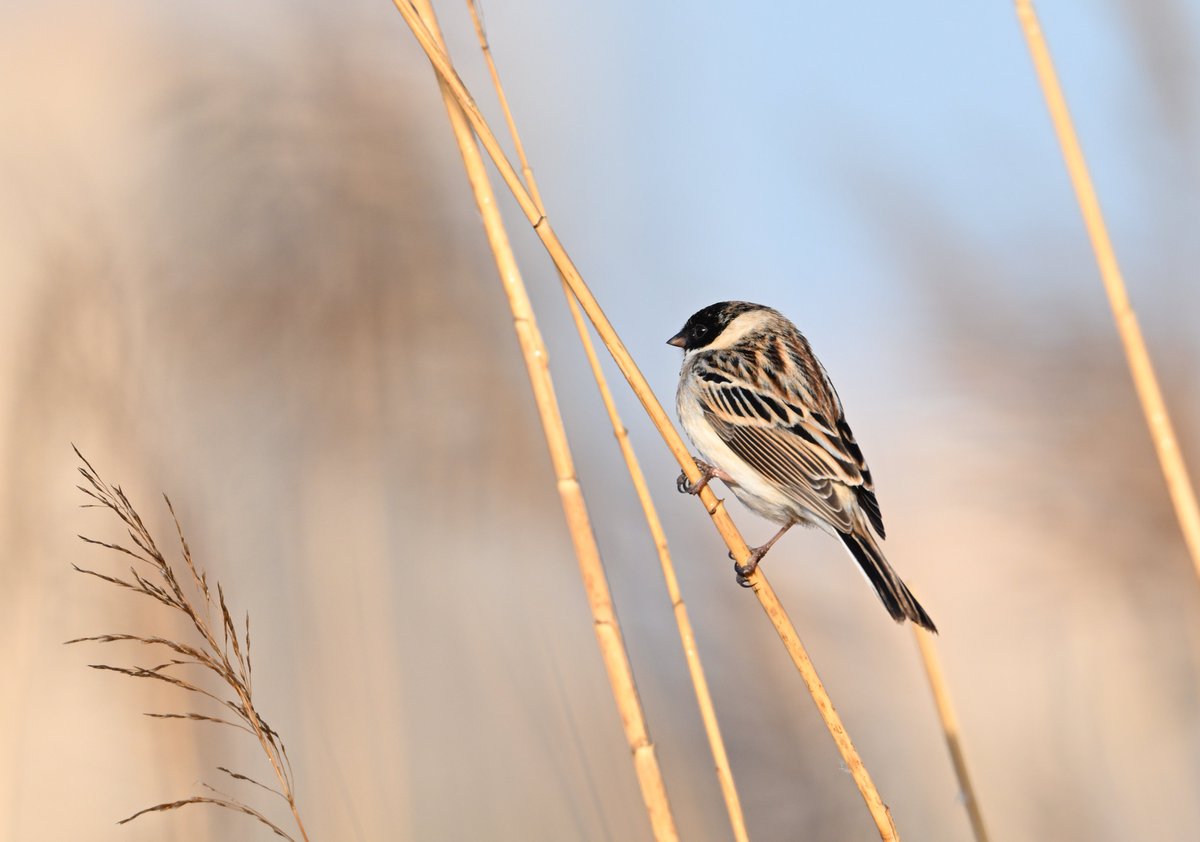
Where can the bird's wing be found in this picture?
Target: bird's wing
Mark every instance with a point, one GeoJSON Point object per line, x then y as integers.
{"type": "Point", "coordinates": [812, 459]}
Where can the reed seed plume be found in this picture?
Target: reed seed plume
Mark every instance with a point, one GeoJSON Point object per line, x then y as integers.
{"type": "Point", "coordinates": [220, 649]}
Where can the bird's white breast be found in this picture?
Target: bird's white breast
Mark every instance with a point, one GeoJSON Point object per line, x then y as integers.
{"type": "Point", "coordinates": [748, 484]}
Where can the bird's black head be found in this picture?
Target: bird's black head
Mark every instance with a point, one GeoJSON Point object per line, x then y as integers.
{"type": "Point", "coordinates": [703, 328]}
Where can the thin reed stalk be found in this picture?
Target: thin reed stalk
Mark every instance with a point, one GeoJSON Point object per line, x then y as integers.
{"type": "Point", "coordinates": [608, 631]}
{"type": "Point", "coordinates": [950, 728]}
{"type": "Point", "coordinates": [687, 635]}
{"type": "Point", "coordinates": [637, 381]}
{"type": "Point", "coordinates": [1183, 496]}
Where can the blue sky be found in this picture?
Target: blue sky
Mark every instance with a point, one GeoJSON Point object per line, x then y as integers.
{"type": "Point", "coordinates": [717, 151]}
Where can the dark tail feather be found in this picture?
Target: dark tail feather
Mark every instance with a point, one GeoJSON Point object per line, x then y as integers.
{"type": "Point", "coordinates": [897, 598]}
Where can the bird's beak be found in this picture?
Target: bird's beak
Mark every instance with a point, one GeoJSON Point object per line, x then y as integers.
{"type": "Point", "coordinates": [677, 340]}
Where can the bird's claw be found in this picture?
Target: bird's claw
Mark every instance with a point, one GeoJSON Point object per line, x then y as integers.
{"type": "Point", "coordinates": [745, 571]}
{"type": "Point", "coordinates": [684, 486]}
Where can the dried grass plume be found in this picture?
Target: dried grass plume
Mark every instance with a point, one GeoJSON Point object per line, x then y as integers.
{"type": "Point", "coordinates": [218, 650]}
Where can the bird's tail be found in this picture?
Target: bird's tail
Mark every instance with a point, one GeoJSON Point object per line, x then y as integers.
{"type": "Point", "coordinates": [896, 596]}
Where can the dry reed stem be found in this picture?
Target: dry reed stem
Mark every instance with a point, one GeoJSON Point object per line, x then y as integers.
{"type": "Point", "coordinates": [641, 388]}
{"type": "Point", "coordinates": [1183, 496]}
{"type": "Point", "coordinates": [608, 631]}
{"type": "Point", "coordinates": [223, 653]}
{"type": "Point", "coordinates": [950, 728]}
{"type": "Point", "coordinates": [687, 635]}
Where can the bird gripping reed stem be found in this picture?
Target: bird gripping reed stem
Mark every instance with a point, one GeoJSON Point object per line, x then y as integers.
{"type": "Point", "coordinates": [637, 381]}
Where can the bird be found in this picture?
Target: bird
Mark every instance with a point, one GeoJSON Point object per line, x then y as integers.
{"type": "Point", "coordinates": [767, 421]}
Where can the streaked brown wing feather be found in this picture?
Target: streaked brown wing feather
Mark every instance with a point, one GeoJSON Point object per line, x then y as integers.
{"type": "Point", "coordinates": [793, 471]}
{"type": "Point", "coordinates": [811, 460]}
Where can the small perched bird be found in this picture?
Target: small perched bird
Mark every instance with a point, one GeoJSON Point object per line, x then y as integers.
{"type": "Point", "coordinates": [765, 417]}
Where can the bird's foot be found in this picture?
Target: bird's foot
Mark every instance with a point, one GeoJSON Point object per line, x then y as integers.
{"type": "Point", "coordinates": [745, 571]}
{"type": "Point", "coordinates": [707, 474]}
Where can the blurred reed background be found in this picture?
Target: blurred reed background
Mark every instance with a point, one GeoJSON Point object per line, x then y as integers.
{"type": "Point", "coordinates": [239, 264]}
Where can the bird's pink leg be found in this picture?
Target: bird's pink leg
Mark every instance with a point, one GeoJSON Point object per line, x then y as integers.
{"type": "Point", "coordinates": [756, 554]}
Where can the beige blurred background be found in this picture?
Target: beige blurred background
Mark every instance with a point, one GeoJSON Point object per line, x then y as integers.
{"type": "Point", "coordinates": [239, 265]}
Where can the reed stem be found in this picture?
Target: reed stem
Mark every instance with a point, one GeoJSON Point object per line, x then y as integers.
{"type": "Point", "coordinates": [716, 508]}
{"type": "Point", "coordinates": [608, 631]}
{"type": "Point", "coordinates": [950, 728]}
{"type": "Point", "coordinates": [1179, 485]}
{"type": "Point", "coordinates": [687, 636]}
